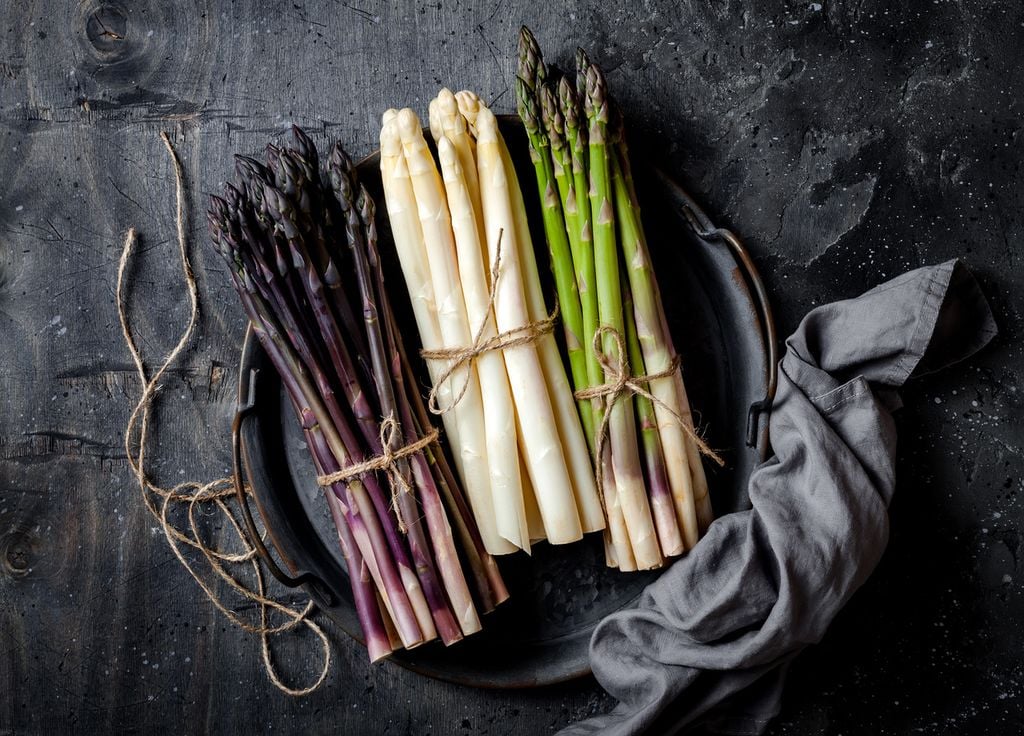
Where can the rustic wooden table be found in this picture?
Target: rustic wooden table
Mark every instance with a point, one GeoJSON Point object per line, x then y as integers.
{"type": "Point", "coordinates": [846, 141]}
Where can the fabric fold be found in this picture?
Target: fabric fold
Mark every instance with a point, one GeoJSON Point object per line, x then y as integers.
{"type": "Point", "coordinates": [710, 640]}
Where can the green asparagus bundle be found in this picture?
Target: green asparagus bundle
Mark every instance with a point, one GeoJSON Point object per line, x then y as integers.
{"type": "Point", "coordinates": [301, 249]}
{"type": "Point", "coordinates": [645, 450]}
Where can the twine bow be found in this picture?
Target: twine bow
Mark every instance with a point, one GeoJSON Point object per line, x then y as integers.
{"type": "Point", "coordinates": [463, 357]}
{"type": "Point", "coordinates": [619, 382]}
{"type": "Point", "coordinates": [387, 461]}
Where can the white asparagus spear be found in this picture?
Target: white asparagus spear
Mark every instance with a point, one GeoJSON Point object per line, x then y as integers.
{"type": "Point", "coordinates": [434, 120]}
{"type": "Point", "coordinates": [454, 126]}
{"type": "Point", "coordinates": [439, 244]}
{"type": "Point", "coordinates": [469, 106]}
{"type": "Point", "coordinates": [405, 229]}
{"type": "Point", "coordinates": [570, 430]}
{"type": "Point", "coordinates": [499, 412]}
{"type": "Point", "coordinates": [542, 448]}
{"type": "Point", "coordinates": [408, 236]}
{"type": "Point", "coordinates": [534, 521]}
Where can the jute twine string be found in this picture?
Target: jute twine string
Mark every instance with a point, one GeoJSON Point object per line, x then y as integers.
{"type": "Point", "coordinates": [620, 383]}
{"type": "Point", "coordinates": [463, 357]}
{"type": "Point", "coordinates": [195, 494]}
{"type": "Point", "coordinates": [386, 461]}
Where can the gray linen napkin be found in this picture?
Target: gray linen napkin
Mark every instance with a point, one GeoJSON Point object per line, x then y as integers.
{"type": "Point", "coordinates": [711, 639]}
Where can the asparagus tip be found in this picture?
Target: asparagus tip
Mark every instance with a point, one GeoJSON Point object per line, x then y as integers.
{"type": "Point", "coordinates": [305, 147]}
{"type": "Point", "coordinates": [532, 69]}
{"type": "Point", "coordinates": [526, 103]}
{"type": "Point", "coordinates": [596, 102]}
{"type": "Point", "coordinates": [408, 124]}
{"type": "Point", "coordinates": [551, 114]}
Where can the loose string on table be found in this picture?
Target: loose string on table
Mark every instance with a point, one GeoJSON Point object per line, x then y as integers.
{"type": "Point", "coordinates": [619, 382]}
{"type": "Point", "coordinates": [195, 494]}
{"type": "Point", "coordinates": [463, 357]}
{"type": "Point", "coordinates": [387, 462]}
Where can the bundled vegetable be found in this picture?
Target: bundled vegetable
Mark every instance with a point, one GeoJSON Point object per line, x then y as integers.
{"type": "Point", "coordinates": [625, 371]}
{"type": "Point", "coordinates": [463, 241]}
{"type": "Point", "coordinates": [302, 253]}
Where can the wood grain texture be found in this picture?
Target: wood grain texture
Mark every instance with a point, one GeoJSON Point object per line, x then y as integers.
{"type": "Point", "coordinates": [845, 141]}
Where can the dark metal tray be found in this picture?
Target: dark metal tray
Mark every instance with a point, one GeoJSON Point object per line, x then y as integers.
{"type": "Point", "coordinates": [723, 329]}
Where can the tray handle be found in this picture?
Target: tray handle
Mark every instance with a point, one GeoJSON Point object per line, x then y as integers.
{"type": "Point", "coordinates": [761, 408]}
{"type": "Point", "coordinates": [316, 586]}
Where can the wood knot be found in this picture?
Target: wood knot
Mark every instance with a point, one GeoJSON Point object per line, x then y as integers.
{"type": "Point", "coordinates": [106, 27]}
{"type": "Point", "coordinates": [17, 552]}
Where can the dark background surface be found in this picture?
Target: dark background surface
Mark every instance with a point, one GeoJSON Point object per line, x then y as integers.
{"type": "Point", "coordinates": [844, 141]}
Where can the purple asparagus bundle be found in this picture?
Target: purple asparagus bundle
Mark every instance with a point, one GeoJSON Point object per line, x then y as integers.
{"type": "Point", "coordinates": [290, 235]}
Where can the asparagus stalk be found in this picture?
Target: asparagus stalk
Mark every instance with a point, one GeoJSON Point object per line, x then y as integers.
{"type": "Point", "coordinates": [617, 548]}
{"type": "Point", "coordinates": [467, 405]}
{"type": "Point", "coordinates": [583, 255]}
{"type": "Point", "coordinates": [621, 426]}
{"type": "Point", "coordinates": [364, 594]}
{"type": "Point", "coordinates": [558, 247]}
{"type": "Point", "coordinates": [561, 162]}
{"type": "Point", "coordinates": [543, 447]}
{"type": "Point", "coordinates": [699, 484]}
{"type": "Point", "coordinates": [331, 453]}
{"type": "Point", "coordinates": [343, 180]}
{"type": "Point", "coordinates": [499, 412]}
{"type": "Point", "coordinates": [657, 349]}
{"type": "Point", "coordinates": [583, 65]}
{"type": "Point", "coordinates": [408, 237]}
{"type": "Point", "coordinates": [662, 506]}
{"type": "Point", "coordinates": [570, 430]}
{"type": "Point", "coordinates": [530, 67]}
{"type": "Point", "coordinates": [469, 107]}
{"type": "Point", "coordinates": [452, 125]}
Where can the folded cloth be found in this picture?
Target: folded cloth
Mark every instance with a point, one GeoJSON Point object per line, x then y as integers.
{"type": "Point", "coordinates": [711, 639]}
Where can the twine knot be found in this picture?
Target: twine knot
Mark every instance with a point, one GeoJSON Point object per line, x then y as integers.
{"type": "Point", "coordinates": [619, 382]}
{"type": "Point", "coordinates": [463, 357]}
{"type": "Point", "coordinates": [386, 461]}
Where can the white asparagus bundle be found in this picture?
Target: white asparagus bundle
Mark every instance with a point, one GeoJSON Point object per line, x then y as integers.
{"type": "Point", "coordinates": [509, 412]}
{"type": "Point", "coordinates": [569, 428]}
{"type": "Point", "coordinates": [457, 153]}
{"type": "Point", "coordinates": [573, 439]}
{"type": "Point", "coordinates": [499, 411]}
{"type": "Point", "coordinates": [416, 233]}
{"type": "Point", "coordinates": [543, 450]}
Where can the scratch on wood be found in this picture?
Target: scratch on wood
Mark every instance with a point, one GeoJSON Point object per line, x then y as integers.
{"type": "Point", "coordinates": [123, 194]}
{"type": "Point", "coordinates": [364, 14]}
